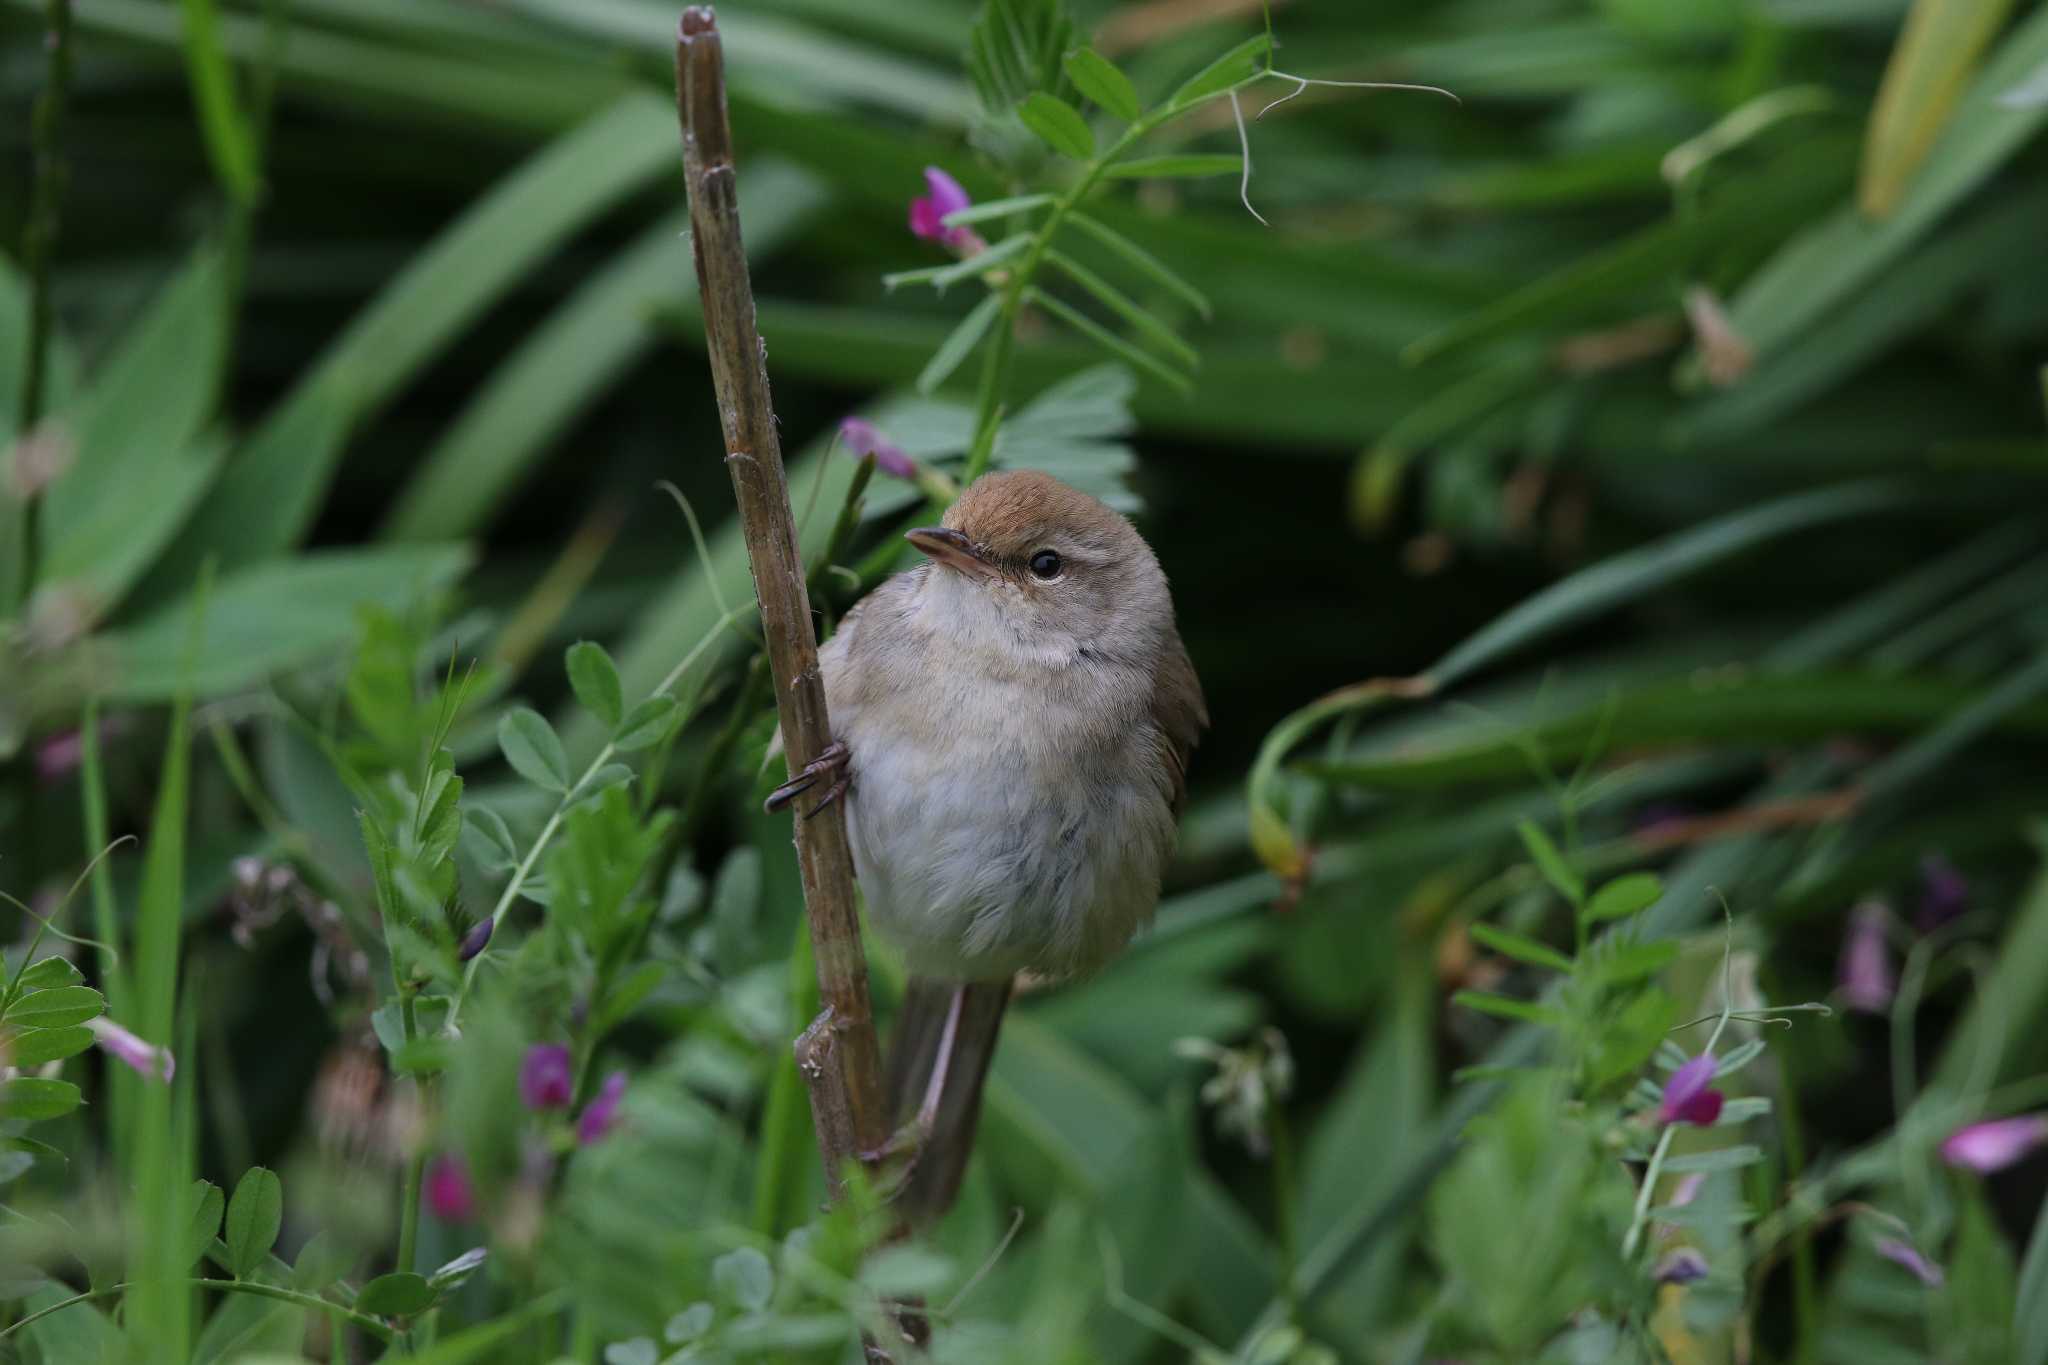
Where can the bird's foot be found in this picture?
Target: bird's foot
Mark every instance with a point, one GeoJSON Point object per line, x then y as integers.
{"type": "Point", "coordinates": [905, 1144]}
{"type": "Point", "coordinates": [831, 762]}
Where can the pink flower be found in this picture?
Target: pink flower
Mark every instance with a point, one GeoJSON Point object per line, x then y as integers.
{"type": "Point", "coordinates": [1681, 1266]}
{"type": "Point", "coordinates": [150, 1061]}
{"type": "Point", "coordinates": [450, 1195]}
{"type": "Point", "coordinates": [1994, 1144]}
{"type": "Point", "coordinates": [1865, 971]}
{"type": "Point", "coordinates": [546, 1079]}
{"type": "Point", "coordinates": [928, 212]}
{"type": "Point", "coordinates": [863, 437]}
{"type": "Point", "coordinates": [1903, 1253]}
{"type": "Point", "coordinates": [601, 1115]}
{"type": "Point", "coordinates": [1687, 1096]}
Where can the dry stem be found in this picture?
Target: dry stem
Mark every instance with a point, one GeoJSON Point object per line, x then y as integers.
{"type": "Point", "coordinates": [838, 1055]}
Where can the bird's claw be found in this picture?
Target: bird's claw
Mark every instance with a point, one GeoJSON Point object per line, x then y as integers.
{"type": "Point", "coordinates": [832, 760]}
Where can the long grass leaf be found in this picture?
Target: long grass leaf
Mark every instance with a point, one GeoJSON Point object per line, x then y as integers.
{"type": "Point", "coordinates": [1110, 341]}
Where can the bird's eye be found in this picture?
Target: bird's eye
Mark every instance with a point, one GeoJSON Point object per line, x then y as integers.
{"type": "Point", "coordinates": [1046, 564]}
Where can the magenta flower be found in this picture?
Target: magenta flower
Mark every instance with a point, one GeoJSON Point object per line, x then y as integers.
{"type": "Point", "coordinates": [545, 1077]}
{"type": "Point", "coordinates": [928, 212]}
{"type": "Point", "coordinates": [863, 437]}
{"type": "Point", "coordinates": [148, 1060]}
{"type": "Point", "coordinates": [1865, 971]}
{"type": "Point", "coordinates": [1994, 1144]}
{"type": "Point", "coordinates": [1681, 1266]}
{"type": "Point", "coordinates": [1688, 1096]}
{"type": "Point", "coordinates": [473, 942]}
{"type": "Point", "coordinates": [601, 1115]}
{"type": "Point", "coordinates": [1944, 892]}
{"type": "Point", "coordinates": [450, 1195]}
{"type": "Point", "coordinates": [1903, 1253]}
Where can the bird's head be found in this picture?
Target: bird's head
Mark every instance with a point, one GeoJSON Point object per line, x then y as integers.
{"type": "Point", "coordinates": [1046, 569]}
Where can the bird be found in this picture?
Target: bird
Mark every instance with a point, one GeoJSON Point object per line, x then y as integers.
{"type": "Point", "coordinates": [1012, 724]}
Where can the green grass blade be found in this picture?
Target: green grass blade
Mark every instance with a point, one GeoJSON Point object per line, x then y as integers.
{"type": "Point", "coordinates": [570, 360]}
{"type": "Point", "coordinates": [1827, 265]}
{"type": "Point", "coordinates": [1936, 51]}
{"type": "Point", "coordinates": [272, 492]}
{"type": "Point", "coordinates": [230, 144]}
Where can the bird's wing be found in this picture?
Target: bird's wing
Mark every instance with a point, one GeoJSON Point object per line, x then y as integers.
{"type": "Point", "coordinates": [1178, 717]}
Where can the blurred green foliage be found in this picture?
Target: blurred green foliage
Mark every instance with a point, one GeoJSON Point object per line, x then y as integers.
{"type": "Point", "coordinates": [1632, 467]}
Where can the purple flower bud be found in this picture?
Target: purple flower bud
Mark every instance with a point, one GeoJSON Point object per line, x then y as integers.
{"type": "Point", "coordinates": [151, 1062]}
{"type": "Point", "coordinates": [1944, 892]}
{"type": "Point", "coordinates": [928, 212]}
{"type": "Point", "coordinates": [450, 1195]}
{"type": "Point", "coordinates": [1681, 1266]}
{"type": "Point", "coordinates": [863, 437]}
{"type": "Point", "coordinates": [1687, 1189]}
{"type": "Point", "coordinates": [1903, 1253]}
{"type": "Point", "coordinates": [1865, 971]}
{"type": "Point", "coordinates": [601, 1115]}
{"type": "Point", "coordinates": [545, 1077]}
{"type": "Point", "coordinates": [1687, 1096]}
{"type": "Point", "coordinates": [473, 942]}
{"type": "Point", "coordinates": [1994, 1144]}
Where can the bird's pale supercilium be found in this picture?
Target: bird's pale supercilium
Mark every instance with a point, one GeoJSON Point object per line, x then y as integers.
{"type": "Point", "coordinates": [1017, 716]}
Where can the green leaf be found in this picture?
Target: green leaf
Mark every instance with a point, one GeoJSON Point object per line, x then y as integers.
{"type": "Point", "coordinates": [1551, 863]}
{"type": "Point", "coordinates": [960, 343]}
{"type": "Point", "coordinates": [254, 1216]}
{"type": "Point", "coordinates": [322, 1261]}
{"type": "Point", "coordinates": [495, 836]}
{"type": "Point", "coordinates": [1616, 964]}
{"type": "Point", "coordinates": [595, 679]}
{"type": "Point", "coordinates": [1241, 63]}
{"type": "Point", "coordinates": [1519, 947]}
{"type": "Point", "coordinates": [1108, 340]}
{"type": "Point", "coordinates": [270, 618]}
{"type": "Point", "coordinates": [1723, 1159]}
{"type": "Point", "coordinates": [604, 779]}
{"type": "Point", "coordinates": [646, 724]}
{"type": "Point", "coordinates": [1124, 307]}
{"type": "Point", "coordinates": [1936, 52]}
{"type": "Point", "coordinates": [2030, 1311]}
{"type": "Point", "coordinates": [143, 461]}
{"type": "Point", "coordinates": [33, 1098]}
{"type": "Point", "coordinates": [745, 1277]}
{"type": "Point", "coordinates": [531, 746]}
{"type": "Point", "coordinates": [40, 1045]}
{"type": "Point", "coordinates": [1095, 76]}
{"type": "Point", "coordinates": [230, 142]}
{"type": "Point", "coordinates": [563, 368]}
{"type": "Point", "coordinates": [1508, 1008]}
{"type": "Point", "coordinates": [627, 994]}
{"type": "Point", "coordinates": [1183, 167]}
{"type": "Point", "coordinates": [271, 491]}
{"type": "Point", "coordinates": [47, 972]}
{"type": "Point", "coordinates": [57, 1007]}
{"type": "Point", "coordinates": [1830, 263]}
{"type": "Point", "coordinates": [400, 1294]}
{"type": "Point", "coordinates": [996, 208]}
{"type": "Point", "coordinates": [1625, 896]}
{"type": "Point", "coordinates": [1058, 124]}
{"type": "Point", "coordinates": [205, 1202]}
{"type": "Point", "coordinates": [1142, 261]}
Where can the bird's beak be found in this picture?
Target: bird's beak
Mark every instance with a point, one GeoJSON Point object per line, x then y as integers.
{"type": "Point", "coordinates": [948, 547]}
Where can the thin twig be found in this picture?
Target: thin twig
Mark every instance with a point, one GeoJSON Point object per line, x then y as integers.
{"type": "Point", "coordinates": [840, 1060]}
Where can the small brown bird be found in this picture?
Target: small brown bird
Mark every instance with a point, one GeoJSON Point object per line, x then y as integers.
{"type": "Point", "coordinates": [1014, 722]}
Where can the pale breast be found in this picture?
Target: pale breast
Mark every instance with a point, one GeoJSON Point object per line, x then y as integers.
{"type": "Point", "coordinates": [998, 823]}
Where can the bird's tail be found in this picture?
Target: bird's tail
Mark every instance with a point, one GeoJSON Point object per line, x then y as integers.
{"type": "Point", "coordinates": [952, 1025]}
